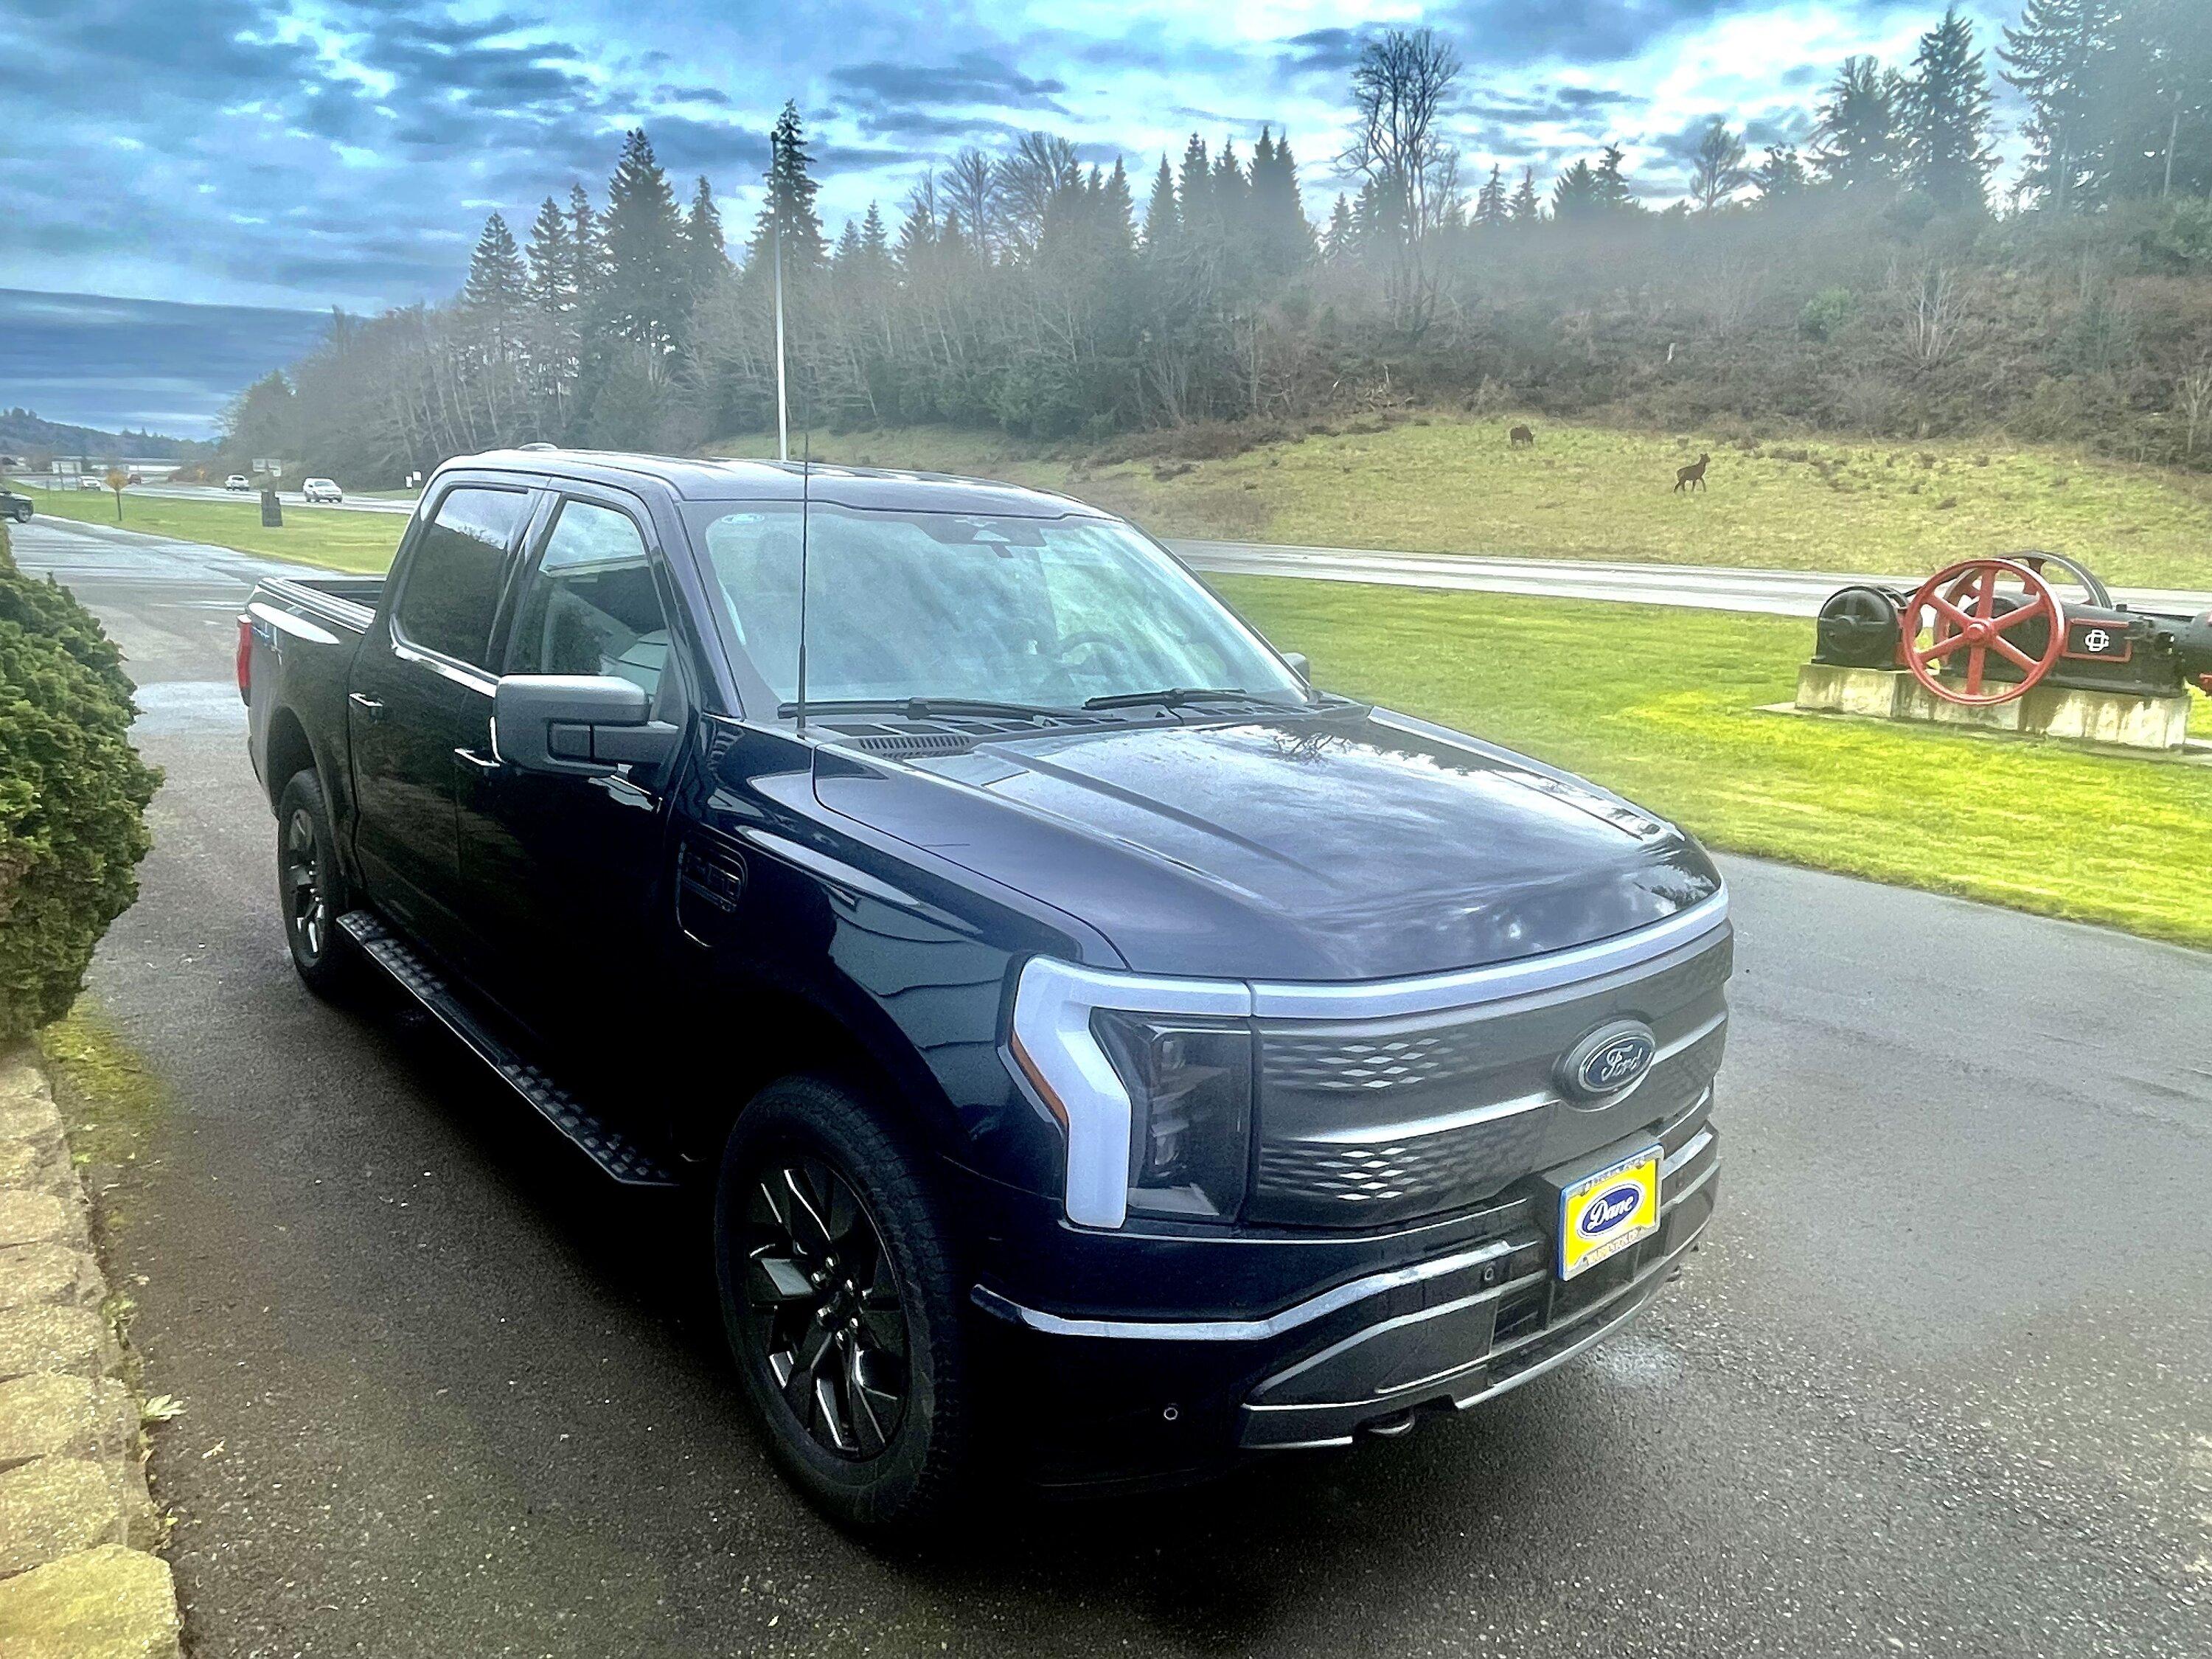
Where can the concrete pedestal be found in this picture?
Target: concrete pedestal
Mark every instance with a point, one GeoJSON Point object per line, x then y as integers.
{"type": "Point", "coordinates": [2101, 717]}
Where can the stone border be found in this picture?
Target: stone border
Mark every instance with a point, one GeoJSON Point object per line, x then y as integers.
{"type": "Point", "coordinates": [78, 1578]}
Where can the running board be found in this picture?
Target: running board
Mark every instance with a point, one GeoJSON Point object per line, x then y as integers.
{"type": "Point", "coordinates": [614, 1152]}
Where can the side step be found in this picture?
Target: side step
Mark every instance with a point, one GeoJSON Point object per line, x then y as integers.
{"type": "Point", "coordinates": [613, 1152]}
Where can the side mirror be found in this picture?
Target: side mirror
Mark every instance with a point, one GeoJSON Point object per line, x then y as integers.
{"type": "Point", "coordinates": [1299, 665]}
{"type": "Point", "coordinates": [580, 725]}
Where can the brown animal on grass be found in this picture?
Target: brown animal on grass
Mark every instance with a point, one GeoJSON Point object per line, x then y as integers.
{"type": "Point", "coordinates": [1692, 476]}
{"type": "Point", "coordinates": [1520, 435]}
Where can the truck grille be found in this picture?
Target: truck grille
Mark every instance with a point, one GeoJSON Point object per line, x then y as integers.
{"type": "Point", "coordinates": [1369, 1122]}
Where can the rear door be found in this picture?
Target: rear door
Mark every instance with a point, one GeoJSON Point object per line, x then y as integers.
{"type": "Point", "coordinates": [563, 874]}
{"type": "Point", "coordinates": [419, 690]}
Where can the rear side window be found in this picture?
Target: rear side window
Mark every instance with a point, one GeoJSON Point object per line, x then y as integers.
{"type": "Point", "coordinates": [453, 579]}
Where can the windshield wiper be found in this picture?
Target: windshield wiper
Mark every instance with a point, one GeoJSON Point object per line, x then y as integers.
{"type": "Point", "coordinates": [1174, 696]}
{"type": "Point", "coordinates": [920, 709]}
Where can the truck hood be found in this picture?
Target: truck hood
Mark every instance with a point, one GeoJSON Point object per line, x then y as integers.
{"type": "Point", "coordinates": [1357, 844]}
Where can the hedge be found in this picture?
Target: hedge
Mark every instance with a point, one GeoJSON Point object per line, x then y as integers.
{"type": "Point", "coordinates": [73, 795]}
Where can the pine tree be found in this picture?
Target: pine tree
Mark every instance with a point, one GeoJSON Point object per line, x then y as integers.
{"type": "Point", "coordinates": [1855, 141]}
{"type": "Point", "coordinates": [2156, 101]}
{"type": "Point", "coordinates": [1282, 241]}
{"type": "Point", "coordinates": [1117, 208]}
{"type": "Point", "coordinates": [1947, 155]}
{"type": "Point", "coordinates": [790, 205]}
{"type": "Point", "coordinates": [1340, 242]}
{"type": "Point", "coordinates": [1194, 212]}
{"type": "Point", "coordinates": [1525, 207]}
{"type": "Point", "coordinates": [2059, 58]}
{"type": "Point", "coordinates": [1163, 219]}
{"type": "Point", "coordinates": [1577, 195]}
{"type": "Point", "coordinates": [552, 259]}
{"type": "Point", "coordinates": [918, 231]}
{"type": "Point", "coordinates": [706, 256]}
{"type": "Point", "coordinates": [1716, 170]}
{"type": "Point", "coordinates": [498, 287]}
{"type": "Point", "coordinates": [847, 255]}
{"type": "Point", "coordinates": [1490, 209]}
{"type": "Point", "coordinates": [1781, 174]}
{"type": "Point", "coordinates": [586, 246]}
{"type": "Point", "coordinates": [875, 240]}
{"type": "Point", "coordinates": [1615, 193]}
{"type": "Point", "coordinates": [646, 296]}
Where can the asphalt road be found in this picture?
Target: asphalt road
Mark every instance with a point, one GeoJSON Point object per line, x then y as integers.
{"type": "Point", "coordinates": [1703, 588]}
{"type": "Point", "coordinates": [1939, 1380]}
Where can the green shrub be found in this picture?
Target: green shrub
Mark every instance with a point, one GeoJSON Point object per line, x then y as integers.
{"type": "Point", "coordinates": [73, 795]}
{"type": "Point", "coordinates": [1827, 313]}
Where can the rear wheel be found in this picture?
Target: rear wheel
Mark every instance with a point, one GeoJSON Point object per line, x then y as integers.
{"type": "Point", "coordinates": [842, 1306]}
{"type": "Point", "coordinates": [310, 890]}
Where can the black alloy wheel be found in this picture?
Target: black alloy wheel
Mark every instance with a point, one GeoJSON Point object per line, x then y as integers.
{"type": "Point", "coordinates": [310, 890]}
{"type": "Point", "coordinates": [822, 1297]}
{"type": "Point", "coordinates": [307, 900]}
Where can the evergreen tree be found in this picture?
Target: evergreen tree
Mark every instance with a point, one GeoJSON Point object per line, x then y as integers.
{"type": "Point", "coordinates": [551, 257]}
{"type": "Point", "coordinates": [790, 205]}
{"type": "Point", "coordinates": [875, 240]}
{"type": "Point", "coordinates": [1117, 208]}
{"type": "Point", "coordinates": [2155, 104]}
{"type": "Point", "coordinates": [847, 256]}
{"type": "Point", "coordinates": [1716, 170]}
{"type": "Point", "coordinates": [1614, 192]}
{"type": "Point", "coordinates": [1282, 241]}
{"type": "Point", "coordinates": [2057, 58]}
{"type": "Point", "coordinates": [498, 287]}
{"type": "Point", "coordinates": [1525, 208]}
{"type": "Point", "coordinates": [1194, 198]}
{"type": "Point", "coordinates": [1340, 242]}
{"type": "Point", "coordinates": [585, 246]}
{"type": "Point", "coordinates": [1577, 195]}
{"type": "Point", "coordinates": [1490, 209]}
{"type": "Point", "coordinates": [1162, 217]}
{"type": "Point", "coordinates": [706, 256]}
{"type": "Point", "coordinates": [1855, 142]}
{"type": "Point", "coordinates": [646, 294]}
{"type": "Point", "coordinates": [918, 231]}
{"type": "Point", "coordinates": [1231, 202]}
{"type": "Point", "coordinates": [1781, 174]}
{"type": "Point", "coordinates": [1947, 155]}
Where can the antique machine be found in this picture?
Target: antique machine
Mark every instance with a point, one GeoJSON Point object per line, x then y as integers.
{"type": "Point", "coordinates": [1984, 630]}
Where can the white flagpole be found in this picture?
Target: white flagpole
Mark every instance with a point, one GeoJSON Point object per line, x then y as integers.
{"type": "Point", "coordinates": [782, 403]}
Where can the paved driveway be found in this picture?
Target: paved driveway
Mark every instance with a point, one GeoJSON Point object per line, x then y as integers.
{"type": "Point", "coordinates": [1939, 1381]}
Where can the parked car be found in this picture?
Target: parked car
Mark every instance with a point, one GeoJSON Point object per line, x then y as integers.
{"type": "Point", "coordinates": [1104, 1051]}
{"type": "Point", "coordinates": [236, 481]}
{"type": "Point", "coordinates": [133, 478]}
{"type": "Point", "coordinates": [322, 490]}
{"type": "Point", "coordinates": [90, 480]}
{"type": "Point", "coordinates": [16, 507]}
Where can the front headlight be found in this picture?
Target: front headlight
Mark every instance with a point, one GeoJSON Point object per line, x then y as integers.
{"type": "Point", "coordinates": [1151, 1078]}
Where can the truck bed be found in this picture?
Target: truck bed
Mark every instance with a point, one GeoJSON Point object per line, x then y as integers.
{"type": "Point", "coordinates": [349, 601]}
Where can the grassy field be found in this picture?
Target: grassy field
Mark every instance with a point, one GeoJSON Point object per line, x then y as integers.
{"type": "Point", "coordinates": [1664, 706]}
{"type": "Point", "coordinates": [317, 536]}
{"type": "Point", "coordinates": [1451, 484]}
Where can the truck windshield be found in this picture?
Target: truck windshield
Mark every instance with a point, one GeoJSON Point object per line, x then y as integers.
{"type": "Point", "coordinates": [1052, 612]}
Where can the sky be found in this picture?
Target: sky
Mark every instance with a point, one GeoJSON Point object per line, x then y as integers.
{"type": "Point", "coordinates": [272, 159]}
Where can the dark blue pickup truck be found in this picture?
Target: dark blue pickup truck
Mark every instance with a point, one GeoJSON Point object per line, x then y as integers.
{"type": "Point", "coordinates": [1106, 1055]}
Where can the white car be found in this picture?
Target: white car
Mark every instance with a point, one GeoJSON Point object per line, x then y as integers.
{"type": "Point", "coordinates": [236, 481]}
{"type": "Point", "coordinates": [86, 481]}
{"type": "Point", "coordinates": [322, 490]}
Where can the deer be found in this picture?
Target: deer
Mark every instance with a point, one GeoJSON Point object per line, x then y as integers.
{"type": "Point", "coordinates": [1692, 476]}
{"type": "Point", "coordinates": [1520, 435]}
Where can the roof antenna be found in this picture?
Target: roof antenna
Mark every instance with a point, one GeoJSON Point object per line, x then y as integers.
{"type": "Point", "coordinates": [783, 404]}
{"type": "Point", "coordinates": [806, 501]}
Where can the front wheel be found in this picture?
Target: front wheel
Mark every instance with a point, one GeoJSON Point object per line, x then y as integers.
{"type": "Point", "coordinates": [840, 1302]}
{"type": "Point", "coordinates": [310, 890]}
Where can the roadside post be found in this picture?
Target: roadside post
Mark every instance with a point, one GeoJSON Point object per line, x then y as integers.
{"type": "Point", "coordinates": [272, 511]}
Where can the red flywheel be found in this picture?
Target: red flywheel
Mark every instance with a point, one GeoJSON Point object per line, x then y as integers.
{"type": "Point", "coordinates": [1966, 613]}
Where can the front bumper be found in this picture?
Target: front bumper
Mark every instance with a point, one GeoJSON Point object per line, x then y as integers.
{"type": "Point", "coordinates": [1111, 1399]}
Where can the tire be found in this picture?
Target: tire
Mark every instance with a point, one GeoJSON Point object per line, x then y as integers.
{"type": "Point", "coordinates": [310, 890]}
{"type": "Point", "coordinates": [835, 1268]}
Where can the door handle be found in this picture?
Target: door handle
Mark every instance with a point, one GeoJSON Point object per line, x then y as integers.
{"type": "Point", "coordinates": [486, 765]}
{"type": "Point", "coordinates": [371, 708]}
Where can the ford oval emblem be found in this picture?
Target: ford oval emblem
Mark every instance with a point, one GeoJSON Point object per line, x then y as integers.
{"type": "Point", "coordinates": [1609, 1208]}
{"type": "Point", "coordinates": [1608, 1062]}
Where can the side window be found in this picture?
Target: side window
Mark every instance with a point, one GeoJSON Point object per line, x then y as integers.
{"type": "Point", "coordinates": [453, 576]}
{"type": "Point", "coordinates": [591, 606]}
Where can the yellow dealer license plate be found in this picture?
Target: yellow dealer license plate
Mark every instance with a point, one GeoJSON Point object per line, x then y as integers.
{"type": "Point", "coordinates": [1605, 1213]}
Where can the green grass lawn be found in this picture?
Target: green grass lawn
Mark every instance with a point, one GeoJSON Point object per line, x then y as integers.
{"type": "Point", "coordinates": [1450, 484]}
{"type": "Point", "coordinates": [315, 536]}
{"type": "Point", "coordinates": [1660, 704]}
{"type": "Point", "coordinates": [1663, 707]}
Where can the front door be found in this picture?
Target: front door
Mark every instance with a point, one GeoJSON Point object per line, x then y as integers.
{"type": "Point", "coordinates": [420, 689]}
{"type": "Point", "coordinates": [564, 874]}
